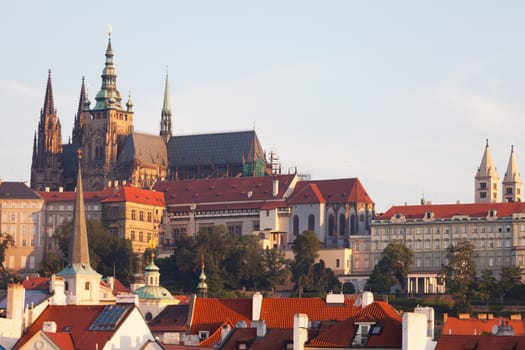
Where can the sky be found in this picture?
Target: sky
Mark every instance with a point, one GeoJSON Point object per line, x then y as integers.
{"type": "Point", "coordinates": [401, 94]}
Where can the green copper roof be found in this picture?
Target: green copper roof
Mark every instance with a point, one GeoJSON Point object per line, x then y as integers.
{"type": "Point", "coordinates": [154, 293]}
{"type": "Point", "coordinates": [108, 96]}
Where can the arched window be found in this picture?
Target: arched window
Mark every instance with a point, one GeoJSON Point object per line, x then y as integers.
{"type": "Point", "coordinates": [295, 225]}
{"type": "Point", "coordinates": [87, 286]}
{"type": "Point", "coordinates": [311, 222]}
{"type": "Point", "coordinates": [352, 224]}
{"type": "Point", "coordinates": [342, 224]}
{"type": "Point", "coordinates": [330, 225]}
{"type": "Point", "coordinates": [148, 316]}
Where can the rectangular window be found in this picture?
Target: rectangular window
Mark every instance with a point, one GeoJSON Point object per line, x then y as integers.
{"type": "Point", "coordinates": [256, 226]}
{"type": "Point", "coordinates": [31, 262]}
{"type": "Point", "coordinates": [437, 261]}
{"type": "Point", "coordinates": [141, 236]}
{"type": "Point", "coordinates": [141, 215]}
{"type": "Point", "coordinates": [149, 216]}
{"type": "Point", "coordinates": [132, 234]}
{"type": "Point", "coordinates": [235, 228]}
{"type": "Point", "coordinates": [133, 214]}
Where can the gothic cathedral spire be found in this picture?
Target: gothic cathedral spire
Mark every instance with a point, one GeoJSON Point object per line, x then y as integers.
{"type": "Point", "coordinates": [512, 182]}
{"type": "Point", "coordinates": [165, 122]}
{"type": "Point", "coordinates": [487, 179]}
{"type": "Point", "coordinates": [46, 167]}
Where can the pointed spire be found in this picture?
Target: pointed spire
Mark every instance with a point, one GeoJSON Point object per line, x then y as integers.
{"type": "Point", "coordinates": [49, 103]}
{"type": "Point", "coordinates": [108, 96]}
{"type": "Point", "coordinates": [202, 287]}
{"type": "Point", "coordinates": [512, 174]}
{"type": "Point", "coordinates": [79, 248]}
{"type": "Point", "coordinates": [487, 168]}
{"type": "Point", "coordinates": [165, 122]}
{"type": "Point", "coordinates": [77, 126]}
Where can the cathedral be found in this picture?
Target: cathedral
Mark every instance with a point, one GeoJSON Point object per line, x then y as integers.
{"type": "Point", "coordinates": [113, 152]}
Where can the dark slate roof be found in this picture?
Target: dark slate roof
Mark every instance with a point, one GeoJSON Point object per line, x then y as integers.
{"type": "Point", "coordinates": [17, 190]}
{"type": "Point", "coordinates": [144, 148]}
{"type": "Point", "coordinates": [219, 148]}
{"type": "Point", "coordinates": [70, 160]}
{"type": "Point", "coordinates": [32, 298]}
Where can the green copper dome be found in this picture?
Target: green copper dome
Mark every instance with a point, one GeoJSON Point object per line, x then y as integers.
{"type": "Point", "coordinates": [154, 293]}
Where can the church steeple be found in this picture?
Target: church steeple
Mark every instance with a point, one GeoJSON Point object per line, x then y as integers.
{"type": "Point", "coordinates": [486, 179]}
{"type": "Point", "coordinates": [108, 96]}
{"type": "Point", "coordinates": [79, 122]}
{"type": "Point", "coordinates": [512, 182]}
{"type": "Point", "coordinates": [46, 168]}
{"type": "Point", "coordinates": [79, 248]}
{"type": "Point", "coordinates": [165, 122]}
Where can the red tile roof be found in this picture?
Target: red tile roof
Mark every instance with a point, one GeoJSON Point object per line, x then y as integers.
{"type": "Point", "coordinates": [62, 340]}
{"type": "Point", "coordinates": [274, 339]}
{"type": "Point", "coordinates": [136, 195]}
{"type": "Point", "coordinates": [334, 191]}
{"type": "Point", "coordinates": [36, 283]}
{"type": "Point", "coordinates": [381, 313]}
{"type": "Point", "coordinates": [475, 326]}
{"type": "Point", "coordinates": [210, 313]}
{"type": "Point", "coordinates": [69, 196]}
{"type": "Point", "coordinates": [473, 342]}
{"type": "Point", "coordinates": [279, 312]}
{"type": "Point", "coordinates": [76, 320]}
{"type": "Point", "coordinates": [172, 318]}
{"type": "Point", "coordinates": [220, 190]}
{"type": "Point", "coordinates": [307, 194]}
{"type": "Point", "coordinates": [450, 210]}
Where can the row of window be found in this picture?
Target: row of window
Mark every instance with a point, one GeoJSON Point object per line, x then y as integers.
{"type": "Point", "coordinates": [149, 215]}
{"type": "Point", "coordinates": [141, 237]}
{"type": "Point", "coordinates": [19, 205]}
{"type": "Point", "coordinates": [446, 229]}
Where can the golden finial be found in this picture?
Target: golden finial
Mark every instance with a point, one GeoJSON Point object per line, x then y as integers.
{"type": "Point", "coordinates": [79, 154]}
{"type": "Point", "coordinates": [110, 30]}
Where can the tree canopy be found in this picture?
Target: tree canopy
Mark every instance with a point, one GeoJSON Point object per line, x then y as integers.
{"type": "Point", "coordinates": [460, 273]}
{"type": "Point", "coordinates": [393, 268]}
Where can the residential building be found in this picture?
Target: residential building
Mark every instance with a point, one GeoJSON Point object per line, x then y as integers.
{"type": "Point", "coordinates": [135, 214]}
{"type": "Point", "coordinates": [21, 217]}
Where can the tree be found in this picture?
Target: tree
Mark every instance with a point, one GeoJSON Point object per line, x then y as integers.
{"type": "Point", "coordinates": [510, 278]}
{"type": "Point", "coordinates": [393, 268]}
{"type": "Point", "coordinates": [306, 249]}
{"type": "Point", "coordinates": [460, 273]}
{"type": "Point", "coordinates": [274, 268]}
{"type": "Point", "coordinates": [107, 254]}
{"type": "Point", "coordinates": [5, 241]}
{"type": "Point", "coordinates": [486, 286]}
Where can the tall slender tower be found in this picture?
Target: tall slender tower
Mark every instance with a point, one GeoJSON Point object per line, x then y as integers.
{"type": "Point", "coordinates": [165, 121]}
{"type": "Point", "coordinates": [512, 182]}
{"type": "Point", "coordinates": [82, 281]}
{"type": "Point", "coordinates": [46, 167]}
{"type": "Point", "coordinates": [486, 187]}
{"type": "Point", "coordinates": [106, 130]}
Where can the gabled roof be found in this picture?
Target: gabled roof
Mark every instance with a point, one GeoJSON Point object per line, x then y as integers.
{"type": "Point", "coordinates": [62, 340]}
{"type": "Point", "coordinates": [440, 211]}
{"type": "Point", "coordinates": [275, 338]}
{"type": "Point", "coordinates": [279, 312]}
{"type": "Point", "coordinates": [172, 318]}
{"type": "Point", "coordinates": [380, 313]}
{"type": "Point", "coordinates": [333, 191]}
{"type": "Point", "coordinates": [144, 149]}
{"type": "Point", "coordinates": [219, 191]}
{"type": "Point", "coordinates": [38, 283]}
{"type": "Point", "coordinates": [76, 320]}
{"type": "Point", "coordinates": [211, 313]}
{"type": "Point", "coordinates": [476, 326]}
{"type": "Point", "coordinates": [136, 195]}
{"type": "Point", "coordinates": [308, 194]}
{"type": "Point", "coordinates": [216, 148]}
{"type": "Point", "coordinates": [16, 190]}
{"type": "Point", "coordinates": [477, 342]}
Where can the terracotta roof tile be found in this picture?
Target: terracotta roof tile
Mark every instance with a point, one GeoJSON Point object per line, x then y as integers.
{"type": "Point", "coordinates": [477, 342]}
{"type": "Point", "coordinates": [69, 196]}
{"type": "Point", "coordinates": [274, 339]}
{"type": "Point", "coordinates": [316, 309]}
{"type": "Point", "coordinates": [136, 195]}
{"type": "Point", "coordinates": [62, 340]}
{"type": "Point", "coordinates": [210, 313]}
{"type": "Point", "coordinates": [336, 191]}
{"type": "Point", "coordinates": [38, 283]}
{"type": "Point", "coordinates": [476, 326]}
{"type": "Point", "coordinates": [449, 210]}
{"type": "Point", "coordinates": [76, 320]}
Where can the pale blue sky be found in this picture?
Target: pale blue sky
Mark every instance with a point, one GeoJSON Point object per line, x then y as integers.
{"type": "Point", "coordinates": [401, 94]}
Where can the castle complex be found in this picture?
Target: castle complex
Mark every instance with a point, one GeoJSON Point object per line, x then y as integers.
{"type": "Point", "coordinates": [114, 152]}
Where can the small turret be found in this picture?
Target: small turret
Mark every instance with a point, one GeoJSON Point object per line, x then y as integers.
{"type": "Point", "coordinates": [165, 122]}
{"type": "Point", "coordinates": [512, 181]}
{"type": "Point", "coordinates": [486, 179]}
{"type": "Point", "coordinates": [202, 287]}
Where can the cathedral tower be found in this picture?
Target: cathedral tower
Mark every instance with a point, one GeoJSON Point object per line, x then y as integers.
{"type": "Point", "coordinates": [106, 129]}
{"type": "Point", "coordinates": [512, 181]}
{"type": "Point", "coordinates": [165, 121]}
{"type": "Point", "coordinates": [46, 167]}
{"type": "Point", "coordinates": [486, 187]}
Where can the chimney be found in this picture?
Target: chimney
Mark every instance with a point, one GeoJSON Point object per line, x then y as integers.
{"type": "Point", "coordinates": [367, 298]}
{"type": "Point", "coordinates": [49, 326]}
{"type": "Point", "coordinates": [429, 313]}
{"type": "Point", "coordinates": [61, 189]}
{"type": "Point", "coordinates": [15, 305]}
{"type": "Point", "coordinates": [256, 306]}
{"type": "Point", "coordinates": [300, 331]}
{"type": "Point", "coordinates": [414, 329]}
{"type": "Point", "coordinates": [275, 188]}
{"type": "Point", "coordinates": [225, 330]}
{"type": "Point", "coordinates": [46, 189]}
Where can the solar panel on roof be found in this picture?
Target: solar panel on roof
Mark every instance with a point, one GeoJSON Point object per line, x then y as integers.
{"type": "Point", "coordinates": [109, 318]}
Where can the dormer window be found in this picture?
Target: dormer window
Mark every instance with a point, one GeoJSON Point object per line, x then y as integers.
{"type": "Point", "coordinates": [203, 335]}
{"type": "Point", "coordinates": [362, 334]}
